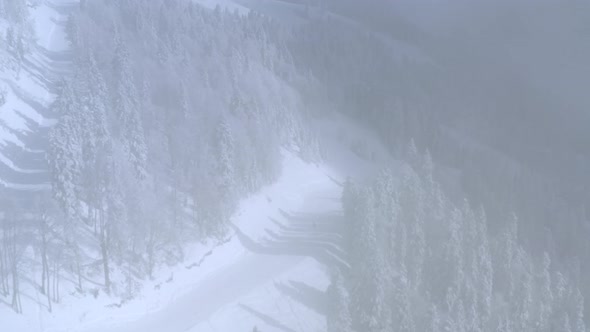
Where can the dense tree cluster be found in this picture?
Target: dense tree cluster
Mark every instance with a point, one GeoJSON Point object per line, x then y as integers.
{"type": "Point", "coordinates": [414, 90]}
{"type": "Point", "coordinates": [379, 81]}
{"type": "Point", "coordinates": [421, 262]}
{"type": "Point", "coordinates": [16, 34]}
{"type": "Point", "coordinates": [14, 11]}
{"type": "Point", "coordinates": [400, 91]}
{"type": "Point", "coordinates": [15, 39]}
{"type": "Point", "coordinates": [171, 114]}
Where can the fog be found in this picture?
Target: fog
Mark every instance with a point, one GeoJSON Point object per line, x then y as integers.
{"type": "Point", "coordinates": [293, 165]}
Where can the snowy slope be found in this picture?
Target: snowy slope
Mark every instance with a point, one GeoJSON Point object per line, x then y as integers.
{"type": "Point", "coordinates": [25, 118]}
{"type": "Point", "coordinates": [275, 254]}
{"type": "Point", "coordinates": [271, 272]}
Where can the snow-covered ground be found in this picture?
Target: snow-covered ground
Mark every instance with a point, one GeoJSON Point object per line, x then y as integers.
{"type": "Point", "coordinates": [30, 89]}
{"type": "Point", "coordinates": [271, 272]}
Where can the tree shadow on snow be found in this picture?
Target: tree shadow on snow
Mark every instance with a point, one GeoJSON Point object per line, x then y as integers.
{"type": "Point", "coordinates": [267, 319]}
{"type": "Point", "coordinates": [306, 235]}
{"type": "Point", "coordinates": [309, 296]}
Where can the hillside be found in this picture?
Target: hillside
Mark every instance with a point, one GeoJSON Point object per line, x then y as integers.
{"type": "Point", "coordinates": [270, 165]}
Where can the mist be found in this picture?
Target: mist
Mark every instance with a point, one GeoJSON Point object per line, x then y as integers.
{"type": "Point", "coordinates": [294, 165]}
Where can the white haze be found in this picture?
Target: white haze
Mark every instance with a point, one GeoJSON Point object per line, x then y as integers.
{"type": "Point", "coordinates": [294, 165]}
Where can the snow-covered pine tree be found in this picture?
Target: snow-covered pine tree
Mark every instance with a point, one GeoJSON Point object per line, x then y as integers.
{"type": "Point", "coordinates": [544, 295]}
{"type": "Point", "coordinates": [369, 277]}
{"type": "Point", "coordinates": [65, 151]}
{"type": "Point", "coordinates": [339, 318]}
{"type": "Point", "coordinates": [128, 128]}
{"type": "Point", "coordinates": [224, 149]}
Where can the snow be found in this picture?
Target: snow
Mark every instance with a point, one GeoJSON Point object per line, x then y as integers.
{"type": "Point", "coordinates": [25, 117]}
{"type": "Point", "coordinates": [271, 271]}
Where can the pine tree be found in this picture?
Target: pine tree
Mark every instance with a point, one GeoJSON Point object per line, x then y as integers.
{"type": "Point", "coordinates": [225, 160]}
{"type": "Point", "coordinates": [348, 198]}
{"type": "Point", "coordinates": [427, 170]}
{"type": "Point", "coordinates": [545, 295]}
{"type": "Point", "coordinates": [522, 299]}
{"type": "Point", "coordinates": [66, 152]}
{"type": "Point", "coordinates": [434, 323]}
{"type": "Point", "coordinates": [412, 214]}
{"type": "Point", "coordinates": [484, 278]}
{"type": "Point", "coordinates": [126, 104]}
{"type": "Point", "coordinates": [506, 250]}
{"type": "Point", "coordinates": [504, 325]}
{"type": "Point", "coordinates": [578, 324]}
{"type": "Point", "coordinates": [370, 278]}
{"type": "Point", "coordinates": [564, 324]}
{"type": "Point", "coordinates": [413, 156]}
{"type": "Point", "coordinates": [339, 318]}
{"type": "Point", "coordinates": [454, 260]}
{"type": "Point", "coordinates": [96, 136]}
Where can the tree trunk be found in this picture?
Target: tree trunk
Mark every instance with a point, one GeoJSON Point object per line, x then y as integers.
{"type": "Point", "coordinates": [45, 273]}
{"type": "Point", "coordinates": [150, 250]}
{"type": "Point", "coordinates": [56, 280]}
{"type": "Point", "coordinates": [78, 267]}
{"type": "Point", "coordinates": [95, 220]}
{"type": "Point", "coordinates": [16, 304]}
{"type": "Point", "coordinates": [45, 277]}
{"type": "Point", "coordinates": [15, 291]}
{"type": "Point", "coordinates": [3, 285]}
{"type": "Point", "coordinates": [105, 253]}
{"type": "Point", "coordinates": [4, 262]}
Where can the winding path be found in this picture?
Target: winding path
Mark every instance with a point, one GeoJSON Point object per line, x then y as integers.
{"type": "Point", "coordinates": [277, 281]}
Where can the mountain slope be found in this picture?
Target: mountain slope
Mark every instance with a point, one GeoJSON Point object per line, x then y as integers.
{"type": "Point", "coordinates": [31, 87]}
{"type": "Point", "coordinates": [272, 271]}
{"type": "Point", "coordinates": [178, 117]}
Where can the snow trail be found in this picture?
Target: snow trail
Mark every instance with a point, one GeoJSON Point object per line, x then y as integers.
{"type": "Point", "coordinates": [276, 252]}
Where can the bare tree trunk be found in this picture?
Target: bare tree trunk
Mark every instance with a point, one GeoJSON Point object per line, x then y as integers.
{"type": "Point", "coordinates": [175, 203]}
{"type": "Point", "coordinates": [49, 306]}
{"type": "Point", "coordinates": [13, 252]}
{"type": "Point", "coordinates": [45, 277]}
{"type": "Point", "coordinates": [15, 290]}
{"type": "Point", "coordinates": [104, 251]}
{"type": "Point", "coordinates": [44, 274]}
{"type": "Point", "coordinates": [78, 267]}
{"type": "Point", "coordinates": [71, 244]}
{"type": "Point", "coordinates": [56, 280]}
{"type": "Point", "coordinates": [4, 264]}
{"type": "Point", "coordinates": [150, 250]}
{"type": "Point", "coordinates": [95, 220]}
{"type": "Point", "coordinates": [3, 283]}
